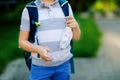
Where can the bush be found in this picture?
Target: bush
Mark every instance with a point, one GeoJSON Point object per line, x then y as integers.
{"type": "Point", "coordinates": [89, 43]}
{"type": "Point", "coordinates": [117, 2]}
{"type": "Point", "coordinates": [12, 17]}
{"type": "Point", "coordinates": [9, 45]}
{"type": "Point", "coordinates": [81, 5]}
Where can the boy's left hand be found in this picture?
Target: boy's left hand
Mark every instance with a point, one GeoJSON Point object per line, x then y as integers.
{"type": "Point", "coordinates": [71, 22]}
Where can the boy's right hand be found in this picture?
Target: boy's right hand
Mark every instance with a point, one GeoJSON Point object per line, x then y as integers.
{"type": "Point", "coordinates": [43, 54]}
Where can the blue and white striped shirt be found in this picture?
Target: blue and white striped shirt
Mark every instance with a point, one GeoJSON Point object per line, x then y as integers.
{"type": "Point", "coordinates": [52, 25]}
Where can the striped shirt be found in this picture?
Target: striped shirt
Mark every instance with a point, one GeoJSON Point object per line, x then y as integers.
{"type": "Point", "coordinates": [52, 25]}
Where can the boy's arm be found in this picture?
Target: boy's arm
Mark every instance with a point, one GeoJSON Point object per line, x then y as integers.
{"type": "Point", "coordinates": [76, 31]}
{"type": "Point", "coordinates": [24, 34]}
{"type": "Point", "coordinates": [72, 23]}
{"type": "Point", "coordinates": [26, 45]}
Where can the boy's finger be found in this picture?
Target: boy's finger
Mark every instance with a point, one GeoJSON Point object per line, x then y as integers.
{"type": "Point", "coordinates": [69, 17]}
{"type": "Point", "coordinates": [48, 50]}
{"type": "Point", "coordinates": [69, 21]}
{"type": "Point", "coordinates": [48, 58]}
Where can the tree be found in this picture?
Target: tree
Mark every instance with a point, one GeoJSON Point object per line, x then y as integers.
{"type": "Point", "coordinates": [118, 2]}
{"type": "Point", "coordinates": [81, 5]}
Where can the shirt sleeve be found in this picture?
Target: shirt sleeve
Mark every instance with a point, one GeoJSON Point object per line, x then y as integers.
{"type": "Point", "coordinates": [25, 23]}
{"type": "Point", "coordinates": [70, 11]}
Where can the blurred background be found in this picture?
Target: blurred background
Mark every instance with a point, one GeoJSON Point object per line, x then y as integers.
{"type": "Point", "coordinates": [96, 54]}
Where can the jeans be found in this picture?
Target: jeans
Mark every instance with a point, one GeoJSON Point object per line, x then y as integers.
{"type": "Point", "coordinates": [61, 72]}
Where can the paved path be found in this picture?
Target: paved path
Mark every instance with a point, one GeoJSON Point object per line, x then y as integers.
{"type": "Point", "coordinates": [109, 25]}
{"type": "Point", "coordinates": [106, 66]}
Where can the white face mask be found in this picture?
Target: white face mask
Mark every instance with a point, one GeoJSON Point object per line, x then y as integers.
{"type": "Point", "coordinates": [66, 38]}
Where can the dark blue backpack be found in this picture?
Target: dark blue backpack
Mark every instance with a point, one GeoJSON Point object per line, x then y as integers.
{"type": "Point", "coordinates": [33, 16]}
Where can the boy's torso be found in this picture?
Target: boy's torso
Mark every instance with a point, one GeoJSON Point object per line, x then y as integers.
{"type": "Point", "coordinates": [52, 25]}
{"type": "Point", "coordinates": [50, 31]}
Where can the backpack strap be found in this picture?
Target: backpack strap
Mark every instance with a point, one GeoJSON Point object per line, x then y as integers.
{"type": "Point", "coordinates": [71, 60]}
{"type": "Point", "coordinates": [65, 8]}
{"type": "Point", "coordinates": [33, 16]}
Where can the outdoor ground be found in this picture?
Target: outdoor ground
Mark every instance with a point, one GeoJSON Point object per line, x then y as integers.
{"type": "Point", "coordinates": [106, 66]}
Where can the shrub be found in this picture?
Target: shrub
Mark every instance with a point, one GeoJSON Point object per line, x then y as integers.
{"type": "Point", "coordinates": [9, 45]}
{"type": "Point", "coordinates": [12, 17]}
{"type": "Point", "coordinates": [81, 5]}
{"type": "Point", "coordinates": [89, 42]}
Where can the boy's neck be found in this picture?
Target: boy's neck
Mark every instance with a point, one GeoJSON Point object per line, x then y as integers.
{"type": "Point", "coordinates": [48, 2]}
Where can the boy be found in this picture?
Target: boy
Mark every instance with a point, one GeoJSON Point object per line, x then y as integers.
{"type": "Point", "coordinates": [48, 35]}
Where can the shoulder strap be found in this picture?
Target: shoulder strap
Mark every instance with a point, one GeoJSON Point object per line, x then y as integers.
{"type": "Point", "coordinates": [33, 16]}
{"type": "Point", "coordinates": [65, 8]}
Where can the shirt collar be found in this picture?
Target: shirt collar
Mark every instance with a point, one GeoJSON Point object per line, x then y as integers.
{"type": "Point", "coordinates": [40, 3]}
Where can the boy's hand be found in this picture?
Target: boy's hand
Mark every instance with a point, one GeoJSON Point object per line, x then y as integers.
{"type": "Point", "coordinates": [71, 22]}
{"type": "Point", "coordinates": [44, 55]}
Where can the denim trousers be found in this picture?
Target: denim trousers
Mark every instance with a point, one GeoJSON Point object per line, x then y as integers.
{"type": "Point", "coordinates": [61, 72]}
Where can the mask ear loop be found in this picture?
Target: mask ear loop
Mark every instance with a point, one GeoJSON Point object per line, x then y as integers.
{"type": "Point", "coordinates": [38, 55]}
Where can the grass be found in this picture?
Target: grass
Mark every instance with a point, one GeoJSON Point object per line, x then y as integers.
{"type": "Point", "coordinates": [89, 42]}
{"type": "Point", "coordinates": [8, 45]}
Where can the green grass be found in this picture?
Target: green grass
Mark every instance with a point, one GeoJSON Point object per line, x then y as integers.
{"type": "Point", "coordinates": [89, 42]}
{"type": "Point", "coordinates": [8, 45]}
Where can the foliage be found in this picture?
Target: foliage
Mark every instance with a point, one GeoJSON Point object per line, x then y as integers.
{"type": "Point", "coordinates": [118, 2]}
{"type": "Point", "coordinates": [108, 6]}
{"type": "Point", "coordinates": [8, 45]}
{"type": "Point", "coordinates": [89, 43]}
{"type": "Point", "coordinates": [81, 5]}
{"type": "Point", "coordinates": [12, 17]}
{"type": "Point", "coordinates": [9, 36]}
{"type": "Point", "coordinates": [104, 9]}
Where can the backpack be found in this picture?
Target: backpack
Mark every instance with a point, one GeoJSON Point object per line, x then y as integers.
{"type": "Point", "coordinates": [33, 16]}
